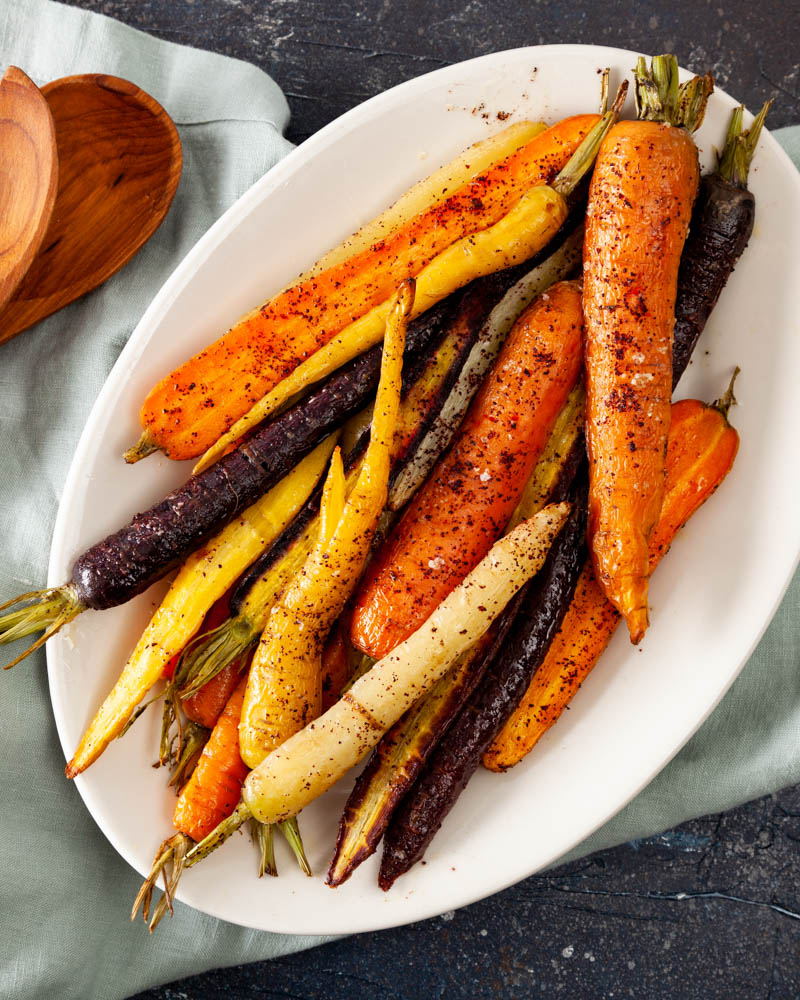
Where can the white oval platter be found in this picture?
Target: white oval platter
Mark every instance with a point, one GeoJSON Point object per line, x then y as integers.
{"type": "Point", "coordinates": [711, 599]}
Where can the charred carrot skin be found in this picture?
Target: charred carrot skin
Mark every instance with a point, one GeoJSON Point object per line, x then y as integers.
{"type": "Point", "coordinates": [195, 404]}
{"type": "Point", "coordinates": [640, 203]}
{"type": "Point", "coordinates": [701, 451]}
{"type": "Point", "coordinates": [214, 788]}
{"type": "Point", "coordinates": [480, 480]}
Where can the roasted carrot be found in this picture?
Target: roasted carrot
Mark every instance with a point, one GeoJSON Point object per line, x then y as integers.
{"type": "Point", "coordinates": [402, 753]}
{"type": "Point", "coordinates": [284, 690]}
{"type": "Point", "coordinates": [398, 759]}
{"type": "Point", "coordinates": [640, 202]}
{"type": "Point", "coordinates": [430, 191]}
{"type": "Point", "coordinates": [182, 748]}
{"type": "Point", "coordinates": [191, 407]}
{"type": "Point", "coordinates": [701, 450]}
{"type": "Point", "coordinates": [467, 502]}
{"type": "Point", "coordinates": [536, 613]}
{"type": "Point", "coordinates": [309, 762]}
{"type": "Point", "coordinates": [213, 790]}
{"type": "Point", "coordinates": [204, 577]}
{"type": "Point", "coordinates": [319, 754]}
{"type": "Point", "coordinates": [722, 222]}
{"type": "Point", "coordinates": [205, 705]}
{"type": "Point", "coordinates": [530, 224]}
{"type": "Point", "coordinates": [207, 799]}
{"type": "Point", "coordinates": [210, 798]}
{"type": "Point", "coordinates": [475, 322]}
{"type": "Point", "coordinates": [215, 616]}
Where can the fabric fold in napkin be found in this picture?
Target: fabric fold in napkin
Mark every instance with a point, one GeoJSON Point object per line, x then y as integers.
{"type": "Point", "coordinates": [65, 895]}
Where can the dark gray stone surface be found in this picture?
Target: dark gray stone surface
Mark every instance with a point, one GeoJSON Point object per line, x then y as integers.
{"type": "Point", "coordinates": [708, 911]}
{"type": "Point", "coordinates": [330, 56]}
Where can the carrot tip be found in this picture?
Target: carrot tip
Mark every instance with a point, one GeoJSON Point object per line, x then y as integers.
{"type": "Point", "coordinates": [637, 622]}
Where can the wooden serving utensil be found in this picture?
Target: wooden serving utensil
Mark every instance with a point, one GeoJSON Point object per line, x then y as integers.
{"type": "Point", "coordinates": [120, 162]}
{"type": "Point", "coordinates": [29, 172]}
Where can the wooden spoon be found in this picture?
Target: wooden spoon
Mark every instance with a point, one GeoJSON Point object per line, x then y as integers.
{"type": "Point", "coordinates": [119, 166]}
{"type": "Point", "coordinates": [28, 176]}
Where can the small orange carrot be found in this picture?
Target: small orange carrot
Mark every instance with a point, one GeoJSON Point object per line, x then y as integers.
{"type": "Point", "coordinates": [700, 453]}
{"type": "Point", "coordinates": [195, 404]}
{"type": "Point", "coordinates": [205, 705]}
{"type": "Point", "coordinates": [213, 791]}
{"type": "Point", "coordinates": [466, 503]}
{"type": "Point", "coordinates": [640, 203]}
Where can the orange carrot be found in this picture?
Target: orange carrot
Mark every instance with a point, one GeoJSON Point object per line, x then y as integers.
{"type": "Point", "coordinates": [195, 404]}
{"type": "Point", "coordinates": [466, 503]}
{"type": "Point", "coordinates": [640, 203]}
{"type": "Point", "coordinates": [213, 791]}
{"type": "Point", "coordinates": [701, 449]}
{"type": "Point", "coordinates": [205, 705]}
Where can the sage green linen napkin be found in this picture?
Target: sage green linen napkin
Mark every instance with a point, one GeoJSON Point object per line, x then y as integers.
{"type": "Point", "coordinates": [65, 895]}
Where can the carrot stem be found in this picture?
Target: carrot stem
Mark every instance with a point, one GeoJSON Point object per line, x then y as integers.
{"type": "Point", "coordinates": [724, 403]}
{"type": "Point", "coordinates": [221, 832]}
{"type": "Point", "coordinates": [263, 838]}
{"type": "Point", "coordinates": [734, 163]}
{"type": "Point", "coordinates": [661, 98]}
{"type": "Point", "coordinates": [203, 660]}
{"type": "Point", "coordinates": [41, 609]}
{"type": "Point", "coordinates": [169, 862]}
{"type": "Point", "coordinates": [193, 739]}
{"type": "Point", "coordinates": [145, 446]}
{"type": "Point", "coordinates": [584, 156]}
{"type": "Point", "coordinates": [291, 832]}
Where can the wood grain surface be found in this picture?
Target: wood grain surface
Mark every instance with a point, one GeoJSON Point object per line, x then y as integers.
{"type": "Point", "coordinates": [119, 158]}
{"type": "Point", "coordinates": [28, 176]}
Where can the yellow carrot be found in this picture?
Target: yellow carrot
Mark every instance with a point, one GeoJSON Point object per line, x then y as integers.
{"type": "Point", "coordinates": [528, 227]}
{"type": "Point", "coordinates": [309, 762]}
{"type": "Point", "coordinates": [431, 190]}
{"type": "Point", "coordinates": [285, 686]}
{"type": "Point", "coordinates": [203, 578]}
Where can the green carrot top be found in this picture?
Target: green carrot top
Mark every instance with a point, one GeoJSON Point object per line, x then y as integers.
{"type": "Point", "coordinates": [733, 164]}
{"type": "Point", "coordinates": [660, 97]}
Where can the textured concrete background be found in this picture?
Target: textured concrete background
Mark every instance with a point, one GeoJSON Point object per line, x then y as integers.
{"type": "Point", "coordinates": [711, 910]}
